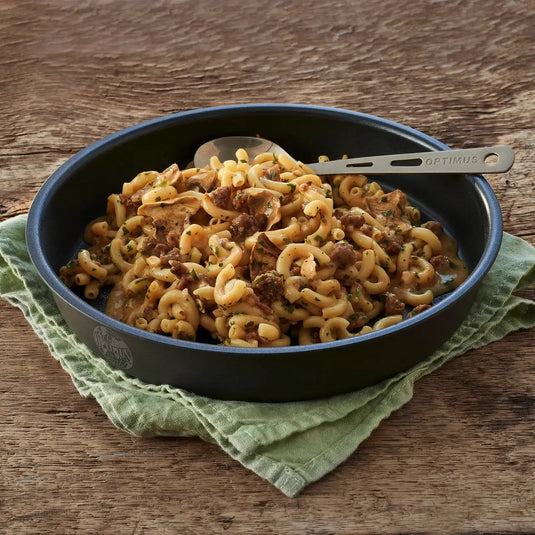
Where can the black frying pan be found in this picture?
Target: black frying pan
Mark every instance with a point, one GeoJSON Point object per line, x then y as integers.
{"type": "Point", "coordinates": [77, 192]}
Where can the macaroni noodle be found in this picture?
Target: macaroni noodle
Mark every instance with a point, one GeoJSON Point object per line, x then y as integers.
{"type": "Point", "coordinates": [261, 252]}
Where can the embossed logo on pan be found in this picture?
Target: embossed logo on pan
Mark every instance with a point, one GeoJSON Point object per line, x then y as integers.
{"type": "Point", "coordinates": [113, 348]}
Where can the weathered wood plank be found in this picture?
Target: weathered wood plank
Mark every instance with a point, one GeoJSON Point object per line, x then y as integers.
{"type": "Point", "coordinates": [459, 457]}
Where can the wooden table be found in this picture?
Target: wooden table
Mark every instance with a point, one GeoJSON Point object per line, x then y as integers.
{"type": "Point", "coordinates": [460, 456]}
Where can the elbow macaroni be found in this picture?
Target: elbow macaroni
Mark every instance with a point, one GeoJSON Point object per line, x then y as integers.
{"type": "Point", "coordinates": [262, 252]}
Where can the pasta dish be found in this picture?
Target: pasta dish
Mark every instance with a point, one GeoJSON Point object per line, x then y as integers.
{"type": "Point", "coordinates": [262, 253]}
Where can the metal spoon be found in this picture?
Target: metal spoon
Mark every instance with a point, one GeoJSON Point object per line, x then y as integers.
{"type": "Point", "coordinates": [498, 159]}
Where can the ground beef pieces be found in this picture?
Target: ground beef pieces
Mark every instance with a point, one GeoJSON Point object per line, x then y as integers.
{"type": "Point", "coordinates": [186, 278]}
{"type": "Point", "coordinates": [440, 262]}
{"type": "Point", "coordinates": [153, 247]}
{"type": "Point", "coordinates": [178, 268]}
{"type": "Point", "coordinates": [352, 221]}
{"type": "Point", "coordinates": [172, 255]}
{"type": "Point", "coordinates": [343, 255]}
{"type": "Point", "coordinates": [264, 256]}
{"type": "Point", "coordinates": [240, 203]}
{"type": "Point", "coordinates": [103, 254]}
{"type": "Point", "coordinates": [295, 270]}
{"type": "Point", "coordinates": [244, 225]}
{"type": "Point", "coordinates": [393, 305]}
{"type": "Point", "coordinates": [255, 212]}
{"type": "Point", "coordinates": [173, 239]}
{"type": "Point", "coordinates": [391, 243]}
{"type": "Point", "coordinates": [162, 243]}
{"type": "Point", "coordinates": [435, 227]}
{"type": "Point", "coordinates": [338, 213]}
{"type": "Point", "coordinates": [130, 203]}
{"type": "Point", "coordinates": [357, 321]}
{"type": "Point", "coordinates": [367, 229]}
{"type": "Point", "coordinates": [269, 286]}
{"type": "Point", "coordinates": [149, 245]}
{"type": "Point", "coordinates": [187, 282]}
{"type": "Point", "coordinates": [221, 196]}
{"type": "Point", "coordinates": [273, 173]}
{"type": "Point", "coordinates": [251, 335]}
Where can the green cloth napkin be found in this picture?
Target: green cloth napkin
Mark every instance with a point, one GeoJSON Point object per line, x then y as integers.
{"type": "Point", "coordinates": [289, 444]}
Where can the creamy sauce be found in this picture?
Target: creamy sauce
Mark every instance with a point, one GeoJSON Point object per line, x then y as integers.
{"type": "Point", "coordinates": [122, 307]}
{"type": "Point", "coordinates": [456, 272]}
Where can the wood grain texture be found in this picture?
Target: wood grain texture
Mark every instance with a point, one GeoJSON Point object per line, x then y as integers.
{"type": "Point", "coordinates": [460, 457]}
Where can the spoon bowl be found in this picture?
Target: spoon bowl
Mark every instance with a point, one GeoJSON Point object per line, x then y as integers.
{"type": "Point", "coordinates": [496, 159]}
{"type": "Point", "coordinates": [225, 149]}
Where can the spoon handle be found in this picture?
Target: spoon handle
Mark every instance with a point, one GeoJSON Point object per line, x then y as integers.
{"type": "Point", "coordinates": [498, 159]}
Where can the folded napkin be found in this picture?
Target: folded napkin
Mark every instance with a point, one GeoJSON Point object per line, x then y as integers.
{"type": "Point", "coordinates": [289, 444]}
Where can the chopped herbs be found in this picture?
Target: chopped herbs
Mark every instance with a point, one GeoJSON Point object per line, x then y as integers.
{"type": "Point", "coordinates": [289, 308]}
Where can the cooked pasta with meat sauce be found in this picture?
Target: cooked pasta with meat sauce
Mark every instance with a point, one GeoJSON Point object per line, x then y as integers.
{"type": "Point", "coordinates": [263, 253]}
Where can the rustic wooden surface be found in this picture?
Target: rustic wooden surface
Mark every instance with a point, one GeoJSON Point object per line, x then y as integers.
{"type": "Point", "coordinates": [460, 456]}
